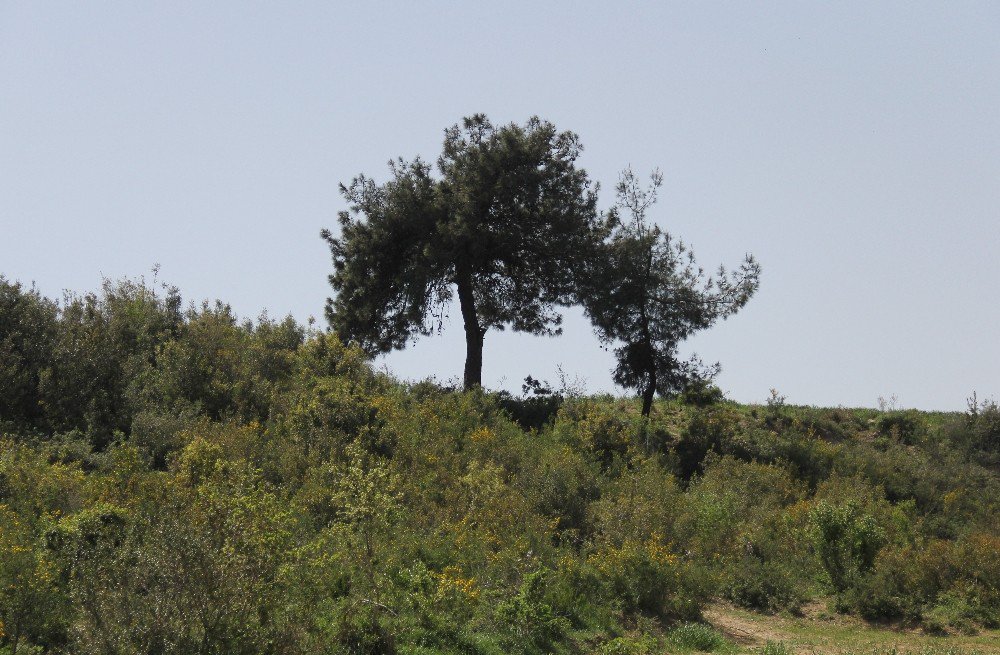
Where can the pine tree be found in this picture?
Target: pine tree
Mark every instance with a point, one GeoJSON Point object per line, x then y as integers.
{"type": "Point", "coordinates": [645, 294]}
{"type": "Point", "coordinates": [504, 225]}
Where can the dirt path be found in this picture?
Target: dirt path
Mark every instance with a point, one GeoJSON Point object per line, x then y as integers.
{"type": "Point", "coordinates": [744, 630]}
{"type": "Point", "coordinates": [816, 632]}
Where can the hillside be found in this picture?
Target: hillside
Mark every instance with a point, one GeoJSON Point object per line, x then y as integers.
{"type": "Point", "coordinates": [178, 481]}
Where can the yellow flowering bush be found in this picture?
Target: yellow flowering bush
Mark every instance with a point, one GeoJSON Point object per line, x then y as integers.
{"type": "Point", "coordinates": [648, 576]}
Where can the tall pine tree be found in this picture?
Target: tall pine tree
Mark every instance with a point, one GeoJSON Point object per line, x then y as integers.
{"type": "Point", "coordinates": [504, 224]}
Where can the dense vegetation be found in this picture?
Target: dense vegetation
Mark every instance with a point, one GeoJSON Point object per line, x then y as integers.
{"type": "Point", "coordinates": [175, 480]}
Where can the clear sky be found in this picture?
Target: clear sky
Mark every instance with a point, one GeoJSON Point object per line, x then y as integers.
{"type": "Point", "coordinates": [854, 148]}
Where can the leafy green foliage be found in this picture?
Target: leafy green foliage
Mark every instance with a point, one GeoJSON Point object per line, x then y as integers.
{"type": "Point", "coordinates": [537, 406]}
{"type": "Point", "coordinates": [32, 607]}
{"type": "Point", "coordinates": [503, 225]}
{"type": "Point", "coordinates": [529, 618]}
{"type": "Point", "coordinates": [28, 329]}
{"type": "Point", "coordinates": [697, 636]}
{"type": "Point", "coordinates": [978, 431]}
{"type": "Point", "coordinates": [645, 293]}
{"type": "Point", "coordinates": [846, 541]}
{"type": "Point", "coordinates": [255, 487]}
{"type": "Point", "coordinates": [775, 648]}
{"type": "Point", "coordinates": [643, 645]}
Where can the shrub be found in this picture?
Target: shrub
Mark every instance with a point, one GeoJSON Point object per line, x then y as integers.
{"type": "Point", "coordinates": [983, 423]}
{"type": "Point", "coordinates": [977, 584]}
{"type": "Point", "coordinates": [954, 611]}
{"type": "Point", "coordinates": [362, 631]}
{"type": "Point", "coordinates": [846, 541]}
{"type": "Point", "coordinates": [775, 648]}
{"type": "Point", "coordinates": [830, 425]}
{"type": "Point", "coordinates": [768, 586]}
{"type": "Point", "coordinates": [158, 434]}
{"type": "Point", "coordinates": [537, 406]}
{"type": "Point", "coordinates": [697, 636]}
{"type": "Point", "coordinates": [32, 606]}
{"type": "Point", "coordinates": [644, 645]}
{"type": "Point", "coordinates": [945, 584]}
{"type": "Point", "coordinates": [183, 482]}
{"type": "Point", "coordinates": [702, 393]}
{"type": "Point", "coordinates": [643, 502]}
{"type": "Point", "coordinates": [601, 430]}
{"type": "Point", "coordinates": [528, 617]}
{"type": "Point", "coordinates": [561, 484]}
{"type": "Point", "coordinates": [707, 431]}
{"type": "Point", "coordinates": [735, 517]}
{"type": "Point", "coordinates": [904, 426]}
{"type": "Point", "coordinates": [648, 577]}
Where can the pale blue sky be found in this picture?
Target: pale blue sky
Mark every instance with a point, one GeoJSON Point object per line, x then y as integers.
{"type": "Point", "coordinates": [854, 148]}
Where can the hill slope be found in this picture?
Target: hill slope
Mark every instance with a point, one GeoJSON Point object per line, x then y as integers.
{"type": "Point", "coordinates": [179, 481]}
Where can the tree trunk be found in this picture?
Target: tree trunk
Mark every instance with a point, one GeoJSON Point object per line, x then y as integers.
{"type": "Point", "coordinates": [473, 333]}
{"type": "Point", "coordinates": [648, 393]}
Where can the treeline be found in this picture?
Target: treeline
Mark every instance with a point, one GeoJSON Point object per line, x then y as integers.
{"type": "Point", "coordinates": [176, 480]}
{"type": "Point", "coordinates": [98, 365]}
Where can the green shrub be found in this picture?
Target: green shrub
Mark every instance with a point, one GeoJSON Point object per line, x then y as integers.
{"type": "Point", "coordinates": [904, 426]}
{"type": "Point", "coordinates": [775, 648]}
{"type": "Point", "coordinates": [846, 541]}
{"type": "Point", "coordinates": [982, 423]}
{"type": "Point", "coordinates": [264, 474]}
{"type": "Point", "coordinates": [830, 425]}
{"type": "Point", "coordinates": [561, 484]}
{"type": "Point", "coordinates": [644, 645]}
{"type": "Point", "coordinates": [709, 430]}
{"type": "Point", "coordinates": [975, 589]}
{"type": "Point", "coordinates": [602, 430]}
{"type": "Point", "coordinates": [648, 577]}
{"type": "Point", "coordinates": [697, 636]}
{"type": "Point", "coordinates": [767, 586]}
{"type": "Point", "coordinates": [537, 406]}
{"type": "Point", "coordinates": [528, 618]}
{"type": "Point", "coordinates": [159, 434]}
{"type": "Point", "coordinates": [952, 611]}
{"type": "Point", "coordinates": [643, 502]}
{"type": "Point", "coordinates": [944, 584]}
{"type": "Point", "coordinates": [702, 393]}
{"type": "Point", "coordinates": [361, 631]}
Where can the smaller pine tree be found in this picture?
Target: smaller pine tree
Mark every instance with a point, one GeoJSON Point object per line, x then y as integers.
{"type": "Point", "coordinates": [646, 294]}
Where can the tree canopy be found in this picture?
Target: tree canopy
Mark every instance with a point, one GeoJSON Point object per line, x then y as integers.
{"type": "Point", "coordinates": [504, 224]}
{"type": "Point", "coordinates": [646, 294]}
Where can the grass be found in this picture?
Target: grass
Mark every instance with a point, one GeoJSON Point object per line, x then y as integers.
{"type": "Point", "coordinates": [732, 631]}
{"type": "Point", "coordinates": [699, 637]}
{"type": "Point", "coordinates": [817, 632]}
{"type": "Point", "coordinates": [775, 648]}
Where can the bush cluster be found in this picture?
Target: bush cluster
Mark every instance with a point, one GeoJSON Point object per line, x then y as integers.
{"type": "Point", "coordinates": [177, 480]}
